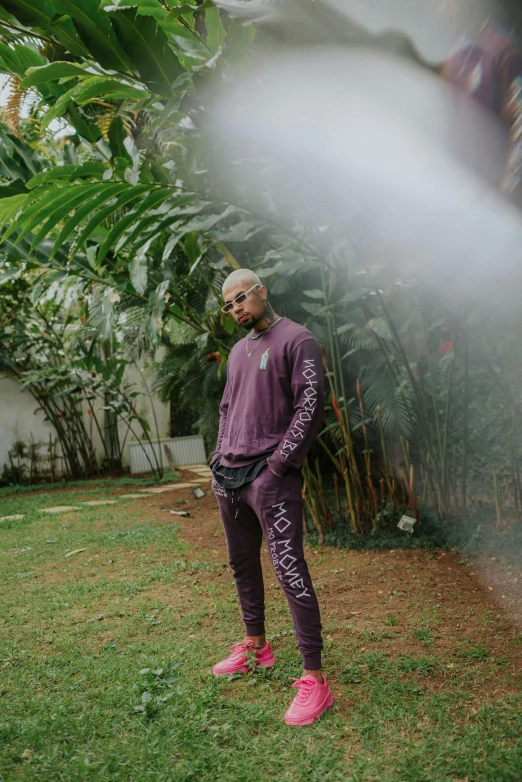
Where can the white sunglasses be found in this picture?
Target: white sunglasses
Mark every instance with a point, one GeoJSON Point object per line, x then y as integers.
{"type": "Point", "coordinates": [229, 306]}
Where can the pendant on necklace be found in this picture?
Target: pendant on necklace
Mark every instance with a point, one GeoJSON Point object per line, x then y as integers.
{"type": "Point", "coordinates": [264, 359]}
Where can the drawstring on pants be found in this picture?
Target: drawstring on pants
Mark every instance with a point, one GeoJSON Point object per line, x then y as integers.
{"type": "Point", "coordinates": [238, 497]}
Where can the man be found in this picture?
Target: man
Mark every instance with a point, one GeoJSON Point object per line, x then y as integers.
{"type": "Point", "coordinates": [271, 411]}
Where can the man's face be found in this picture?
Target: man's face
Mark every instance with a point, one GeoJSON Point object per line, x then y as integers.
{"type": "Point", "coordinates": [250, 311]}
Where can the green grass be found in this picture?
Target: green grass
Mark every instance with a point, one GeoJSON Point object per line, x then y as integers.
{"type": "Point", "coordinates": [105, 671]}
{"type": "Point", "coordinates": [424, 635]}
{"type": "Point", "coordinates": [125, 481]}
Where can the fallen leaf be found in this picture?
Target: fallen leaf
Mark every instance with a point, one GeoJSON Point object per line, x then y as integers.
{"type": "Point", "coordinates": [76, 551]}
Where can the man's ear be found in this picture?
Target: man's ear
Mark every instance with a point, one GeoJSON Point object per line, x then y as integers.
{"type": "Point", "coordinates": [264, 293]}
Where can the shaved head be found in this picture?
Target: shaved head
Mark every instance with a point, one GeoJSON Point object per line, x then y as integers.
{"type": "Point", "coordinates": [242, 275]}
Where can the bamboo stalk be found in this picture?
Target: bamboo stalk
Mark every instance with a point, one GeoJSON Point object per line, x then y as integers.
{"type": "Point", "coordinates": [515, 451]}
{"type": "Point", "coordinates": [383, 441]}
{"type": "Point", "coordinates": [498, 504]}
{"type": "Point", "coordinates": [51, 457]}
{"type": "Point", "coordinates": [516, 496]}
{"type": "Point", "coordinates": [409, 492]}
{"type": "Point", "coordinates": [336, 354]}
{"type": "Point", "coordinates": [335, 376]}
{"type": "Point", "coordinates": [336, 489]}
{"type": "Point", "coordinates": [321, 496]}
{"type": "Point", "coordinates": [444, 455]}
{"type": "Point", "coordinates": [366, 452]}
{"type": "Point", "coordinates": [310, 511]}
{"type": "Point", "coordinates": [335, 461]}
{"type": "Point", "coordinates": [315, 517]}
{"type": "Point", "coordinates": [465, 430]}
{"type": "Point", "coordinates": [312, 504]}
{"type": "Point", "coordinates": [349, 499]}
{"type": "Point", "coordinates": [404, 452]}
{"type": "Point", "coordinates": [374, 503]}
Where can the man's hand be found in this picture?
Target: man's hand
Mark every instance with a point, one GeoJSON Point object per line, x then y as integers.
{"type": "Point", "coordinates": [273, 471]}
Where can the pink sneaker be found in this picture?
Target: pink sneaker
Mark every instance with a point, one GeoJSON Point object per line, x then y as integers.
{"type": "Point", "coordinates": [311, 700]}
{"type": "Point", "coordinates": [238, 660]}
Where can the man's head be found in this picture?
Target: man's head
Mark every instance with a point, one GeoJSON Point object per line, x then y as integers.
{"type": "Point", "coordinates": [253, 309]}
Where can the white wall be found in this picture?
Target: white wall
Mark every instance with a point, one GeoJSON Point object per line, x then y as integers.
{"type": "Point", "coordinates": [20, 418]}
{"type": "Point", "coordinates": [145, 408]}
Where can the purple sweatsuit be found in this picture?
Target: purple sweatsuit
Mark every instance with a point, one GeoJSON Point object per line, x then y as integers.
{"type": "Point", "coordinates": [272, 407]}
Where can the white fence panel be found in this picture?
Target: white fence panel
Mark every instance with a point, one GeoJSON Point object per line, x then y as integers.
{"type": "Point", "coordinates": [184, 450]}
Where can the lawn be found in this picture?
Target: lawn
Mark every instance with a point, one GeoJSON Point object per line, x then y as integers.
{"type": "Point", "coordinates": [106, 656]}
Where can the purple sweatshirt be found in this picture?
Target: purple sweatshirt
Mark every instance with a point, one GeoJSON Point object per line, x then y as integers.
{"type": "Point", "coordinates": [273, 401]}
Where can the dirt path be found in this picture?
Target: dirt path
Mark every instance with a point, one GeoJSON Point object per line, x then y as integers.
{"type": "Point", "coordinates": [405, 602]}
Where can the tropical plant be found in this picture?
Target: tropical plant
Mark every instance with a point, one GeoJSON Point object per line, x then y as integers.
{"type": "Point", "coordinates": [128, 212]}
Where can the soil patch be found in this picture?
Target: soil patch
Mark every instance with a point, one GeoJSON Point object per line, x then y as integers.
{"type": "Point", "coordinates": [402, 602]}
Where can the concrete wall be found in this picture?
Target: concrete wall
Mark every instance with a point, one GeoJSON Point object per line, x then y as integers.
{"type": "Point", "coordinates": [145, 408]}
{"type": "Point", "coordinates": [20, 417]}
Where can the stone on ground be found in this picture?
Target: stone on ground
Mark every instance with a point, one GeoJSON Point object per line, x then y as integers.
{"type": "Point", "coordinates": [60, 509]}
{"type": "Point", "coordinates": [170, 487]}
{"type": "Point", "coordinates": [94, 503]}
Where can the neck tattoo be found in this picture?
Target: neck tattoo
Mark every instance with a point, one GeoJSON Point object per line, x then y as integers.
{"type": "Point", "coordinates": [269, 318]}
{"type": "Point", "coordinates": [259, 338]}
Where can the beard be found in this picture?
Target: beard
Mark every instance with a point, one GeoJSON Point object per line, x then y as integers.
{"type": "Point", "coordinates": [250, 322]}
{"type": "Point", "coordinates": [253, 319]}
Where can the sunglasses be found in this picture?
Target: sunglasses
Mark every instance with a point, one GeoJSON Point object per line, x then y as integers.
{"type": "Point", "coordinates": [229, 306]}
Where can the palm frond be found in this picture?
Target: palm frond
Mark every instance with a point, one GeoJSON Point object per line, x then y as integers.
{"type": "Point", "coordinates": [13, 104]}
{"type": "Point", "coordinates": [380, 389]}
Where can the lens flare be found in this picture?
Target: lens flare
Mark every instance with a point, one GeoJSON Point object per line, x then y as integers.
{"type": "Point", "coordinates": [408, 165]}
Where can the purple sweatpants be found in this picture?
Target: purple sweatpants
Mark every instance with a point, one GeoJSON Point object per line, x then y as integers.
{"type": "Point", "coordinates": [271, 507]}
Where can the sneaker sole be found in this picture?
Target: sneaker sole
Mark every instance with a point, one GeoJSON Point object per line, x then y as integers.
{"type": "Point", "coordinates": [310, 721]}
{"type": "Point", "coordinates": [265, 664]}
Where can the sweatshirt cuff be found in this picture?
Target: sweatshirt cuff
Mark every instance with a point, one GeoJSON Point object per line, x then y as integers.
{"type": "Point", "coordinates": [278, 464]}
